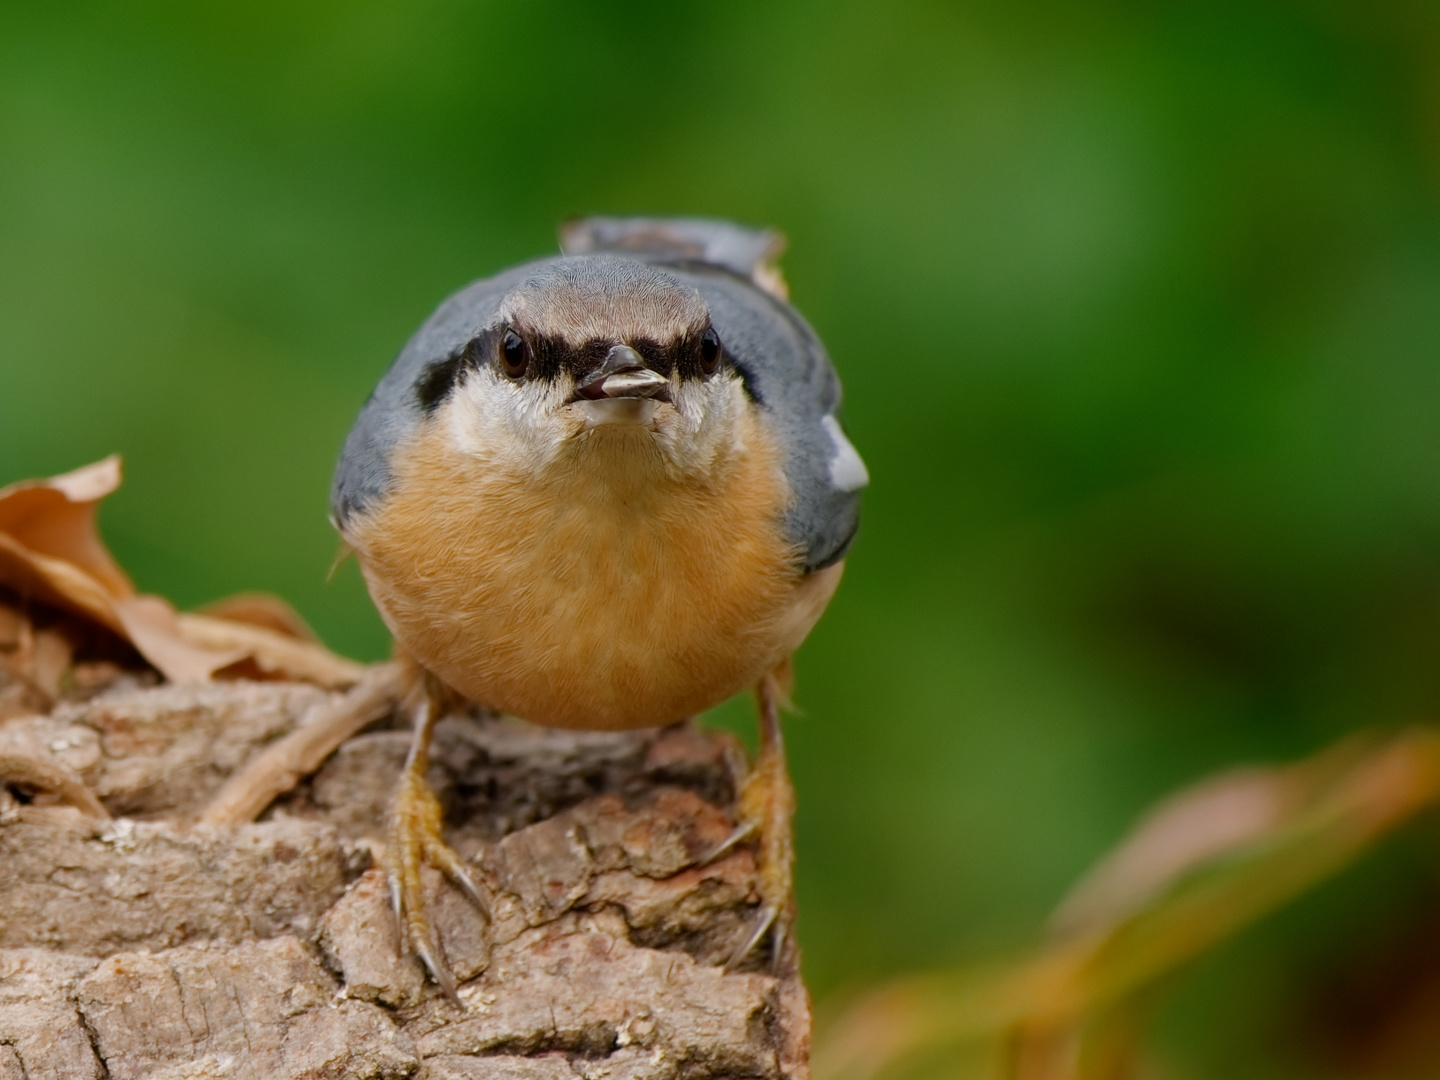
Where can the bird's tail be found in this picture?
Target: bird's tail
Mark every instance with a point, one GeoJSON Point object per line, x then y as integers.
{"type": "Point", "coordinates": [748, 252]}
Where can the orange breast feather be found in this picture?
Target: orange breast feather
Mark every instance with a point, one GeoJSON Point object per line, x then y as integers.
{"type": "Point", "coordinates": [603, 592]}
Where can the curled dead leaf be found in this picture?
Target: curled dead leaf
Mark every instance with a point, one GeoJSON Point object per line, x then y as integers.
{"type": "Point", "coordinates": [271, 653]}
{"type": "Point", "coordinates": [51, 553]}
{"type": "Point", "coordinates": [262, 610]}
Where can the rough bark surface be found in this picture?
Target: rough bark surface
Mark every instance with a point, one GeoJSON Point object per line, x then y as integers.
{"type": "Point", "coordinates": [149, 948]}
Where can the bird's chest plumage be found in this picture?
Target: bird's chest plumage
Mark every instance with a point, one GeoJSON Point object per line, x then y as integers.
{"type": "Point", "coordinates": [601, 592]}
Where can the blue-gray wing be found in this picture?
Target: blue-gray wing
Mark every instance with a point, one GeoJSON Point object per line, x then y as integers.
{"type": "Point", "coordinates": [394, 409]}
{"type": "Point", "coordinates": [787, 372]}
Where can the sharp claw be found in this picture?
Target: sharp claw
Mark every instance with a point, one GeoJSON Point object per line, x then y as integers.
{"type": "Point", "coordinates": [450, 864]}
{"type": "Point", "coordinates": [766, 919]}
{"type": "Point", "coordinates": [777, 944]}
{"type": "Point", "coordinates": [439, 971]}
{"type": "Point", "coordinates": [397, 908]}
{"type": "Point", "coordinates": [459, 876]}
{"type": "Point", "coordinates": [739, 836]}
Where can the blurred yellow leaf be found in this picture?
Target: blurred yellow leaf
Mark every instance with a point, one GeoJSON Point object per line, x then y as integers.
{"type": "Point", "coordinates": [1196, 870]}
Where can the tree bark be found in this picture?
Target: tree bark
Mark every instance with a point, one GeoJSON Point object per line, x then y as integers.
{"type": "Point", "coordinates": [149, 947]}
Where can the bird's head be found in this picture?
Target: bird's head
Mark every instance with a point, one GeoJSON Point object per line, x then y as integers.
{"type": "Point", "coordinates": [589, 354]}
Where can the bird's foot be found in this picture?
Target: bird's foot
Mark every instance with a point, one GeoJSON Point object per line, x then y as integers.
{"type": "Point", "coordinates": [765, 808]}
{"type": "Point", "coordinates": [414, 841]}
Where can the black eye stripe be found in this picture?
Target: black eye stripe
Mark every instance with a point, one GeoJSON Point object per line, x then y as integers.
{"type": "Point", "coordinates": [524, 354]}
{"type": "Point", "coordinates": [439, 378]}
{"type": "Point", "coordinates": [586, 358]}
{"type": "Point", "coordinates": [658, 358]}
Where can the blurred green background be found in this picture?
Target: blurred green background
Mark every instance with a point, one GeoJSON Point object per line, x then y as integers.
{"type": "Point", "coordinates": [1138, 312]}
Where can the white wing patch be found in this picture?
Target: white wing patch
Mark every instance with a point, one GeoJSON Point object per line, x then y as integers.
{"type": "Point", "coordinates": [847, 471]}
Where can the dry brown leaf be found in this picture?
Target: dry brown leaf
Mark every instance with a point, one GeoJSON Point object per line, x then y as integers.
{"type": "Point", "coordinates": [26, 665]}
{"type": "Point", "coordinates": [38, 658]}
{"type": "Point", "coordinates": [51, 660]}
{"type": "Point", "coordinates": [49, 549]}
{"type": "Point", "coordinates": [271, 653]}
{"type": "Point", "coordinates": [51, 553]}
{"type": "Point", "coordinates": [263, 610]}
{"type": "Point", "coordinates": [14, 629]}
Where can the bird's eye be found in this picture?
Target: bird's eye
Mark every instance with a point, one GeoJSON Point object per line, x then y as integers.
{"type": "Point", "coordinates": [709, 352]}
{"type": "Point", "coordinates": [514, 354]}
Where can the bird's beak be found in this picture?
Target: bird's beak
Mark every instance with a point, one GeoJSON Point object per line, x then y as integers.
{"type": "Point", "coordinates": [623, 374]}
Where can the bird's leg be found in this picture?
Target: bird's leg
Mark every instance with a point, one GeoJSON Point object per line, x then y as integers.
{"type": "Point", "coordinates": [766, 806]}
{"type": "Point", "coordinates": [415, 839]}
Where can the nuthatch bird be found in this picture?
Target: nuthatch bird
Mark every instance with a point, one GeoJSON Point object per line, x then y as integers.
{"type": "Point", "coordinates": [604, 490]}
